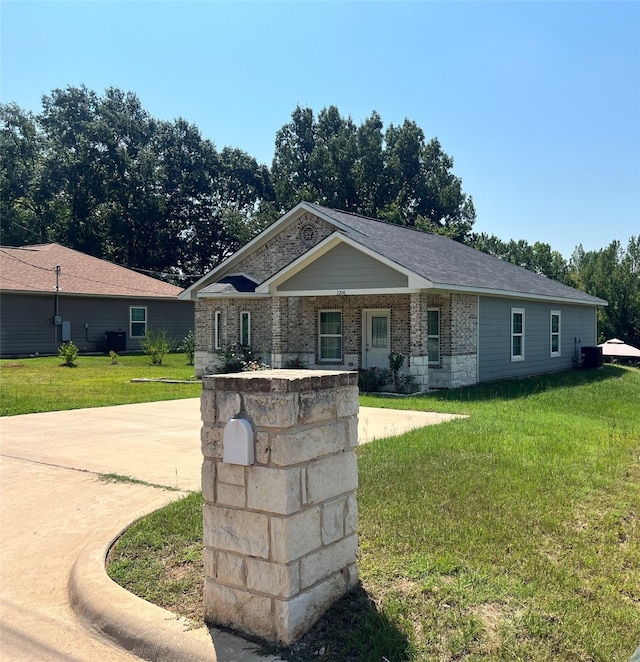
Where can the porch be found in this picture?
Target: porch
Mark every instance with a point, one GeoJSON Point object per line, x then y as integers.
{"type": "Point", "coordinates": [437, 333]}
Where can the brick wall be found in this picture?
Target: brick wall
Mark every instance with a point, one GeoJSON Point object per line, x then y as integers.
{"type": "Point", "coordinates": [287, 327]}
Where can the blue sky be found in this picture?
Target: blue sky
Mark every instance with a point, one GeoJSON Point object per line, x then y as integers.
{"type": "Point", "coordinates": [537, 102]}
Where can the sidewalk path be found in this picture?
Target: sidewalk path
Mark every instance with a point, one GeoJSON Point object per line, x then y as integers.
{"type": "Point", "coordinates": [55, 512]}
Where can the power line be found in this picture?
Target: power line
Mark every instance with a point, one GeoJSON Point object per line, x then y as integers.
{"type": "Point", "coordinates": [84, 278]}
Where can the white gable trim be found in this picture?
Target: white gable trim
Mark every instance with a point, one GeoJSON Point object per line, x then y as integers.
{"type": "Point", "coordinates": [270, 285]}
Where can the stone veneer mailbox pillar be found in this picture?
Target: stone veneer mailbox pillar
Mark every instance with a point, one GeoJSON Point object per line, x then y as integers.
{"type": "Point", "coordinates": [280, 534]}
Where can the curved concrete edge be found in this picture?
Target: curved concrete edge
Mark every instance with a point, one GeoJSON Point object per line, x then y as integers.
{"type": "Point", "coordinates": [146, 630]}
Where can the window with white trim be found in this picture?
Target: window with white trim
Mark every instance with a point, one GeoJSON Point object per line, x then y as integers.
{"type": "Point", "coordinates": [217, 330]}
{"type": "Point", "coordinates": [137, 321]}
{"type": "Point", "coordinates": [330, 335]}
{"type": "Point", "coordinates": [554, 339]}
{"type": "Point", "coordinates": [433, 335]}
{"type": "Point", "coordinates": [245, 328]}
{"type": "Point", "coordinates": [517, 334]}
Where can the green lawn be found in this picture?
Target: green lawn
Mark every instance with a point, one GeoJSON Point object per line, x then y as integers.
{"type": "Point", "coordinates": [43, 384]}
{"type": "Point", "coordinates": [511, 535]}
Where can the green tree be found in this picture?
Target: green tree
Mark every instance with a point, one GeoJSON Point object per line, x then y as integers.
{"type": "Point", "coordinates": [99, 174]}
{"type": "Point", "coordinates": [25, 216]}
{"type": "Point", "coordinates": [74, 175]}
{"type": "Point", "coordinates": [539, 257]}
{"type": "Point", "coordinates": [394, 175]}
{"type": "Point", "coordinates": [612, 273]}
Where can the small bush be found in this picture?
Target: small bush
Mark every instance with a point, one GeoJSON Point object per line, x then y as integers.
{"type": "Point", "coordinates": [156, 344]}
{"type": "Point", "coordinates": [297, 363]}
{"type": "Point", "coordinates": [407, 384]}
{"type": "Point", "coordinates": [236, 358]}
{"type": "Point", "coordinates": [371, 380]}
{"type": "Point", "coordinates": [396, 361]}
{"type": "Point", "coordinates": [68, 352]}
{"type": "Point", "coordinates": [189, 347]}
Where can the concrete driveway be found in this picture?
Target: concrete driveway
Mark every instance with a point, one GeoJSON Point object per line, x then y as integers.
{"type": "Point", "coordinates": [57, 520]}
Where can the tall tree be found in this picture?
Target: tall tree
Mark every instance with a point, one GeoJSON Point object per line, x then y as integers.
{"type": "Point", "coordinates": [394, 175]}
{"type": "Point", "coordinates": [291, 168]}
{"type": "Point", "coordinates": [539, 257]}
{"type": "Point", "coordinates": [74, 174]}
{"type": "Point", "coordinates": [99, 174]}
{"type": "Point", "coordinates": [612, 273]}
{"type": "Point", "coordinates": [25, 216]}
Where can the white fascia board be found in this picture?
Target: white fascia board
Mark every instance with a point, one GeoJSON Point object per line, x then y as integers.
{"type": "Point", "coordinates": [261, 238]}
{"type": "Point", "coordinates": [515, 295]}
{"type": "Point", "coordinates": [415, 282]}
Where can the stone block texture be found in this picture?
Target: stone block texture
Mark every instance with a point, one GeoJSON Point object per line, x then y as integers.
{"type": "Point", "coordinates": [280, 535]}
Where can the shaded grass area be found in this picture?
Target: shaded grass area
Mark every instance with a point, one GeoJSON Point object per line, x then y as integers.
{"type": "Point", "coordinates": [43, 384]}
{"type": "Point", "coordinates": [159, 558]}
{"type": "Point", "coordinates": [511, 535]}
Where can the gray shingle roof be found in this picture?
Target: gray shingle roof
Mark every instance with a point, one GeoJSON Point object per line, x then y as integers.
{"type": "Point", "coordinates": [445, 262]}
{"type": "Point", "coordinates": [231, 285]}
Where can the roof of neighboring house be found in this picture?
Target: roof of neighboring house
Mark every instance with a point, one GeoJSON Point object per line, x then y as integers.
{"type": "Point", "coordinates": [31, 269]}
{"type": "Point", "coordinates": [443, 262]}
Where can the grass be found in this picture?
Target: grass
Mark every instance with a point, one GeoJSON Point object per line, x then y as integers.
{"type": "Point", "coordinates": [43, 384]}
{"type": "Point", "coordinates": [511, 535]}
{"type": "Point", "coordinates": [160, 557]}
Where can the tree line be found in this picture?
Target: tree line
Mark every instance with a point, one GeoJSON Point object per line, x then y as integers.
{"type": "Point", "coordinates": [99, 174]}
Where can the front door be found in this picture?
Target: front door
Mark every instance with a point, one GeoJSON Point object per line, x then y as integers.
{"type": "Point", "coordinates": [376, 338]}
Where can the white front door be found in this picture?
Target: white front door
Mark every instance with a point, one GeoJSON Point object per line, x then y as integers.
{"type": "Point", "coordinates": [376, 338]}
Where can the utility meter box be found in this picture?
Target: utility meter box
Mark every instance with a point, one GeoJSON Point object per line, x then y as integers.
{"type": "Point", "coordinates": [238, 446]}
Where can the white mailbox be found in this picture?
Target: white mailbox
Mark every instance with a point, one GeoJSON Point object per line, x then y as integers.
{"type": "Point", "coordinates": [237, 442]}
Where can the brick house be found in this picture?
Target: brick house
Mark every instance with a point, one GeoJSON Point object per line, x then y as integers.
{"type": "Point", "coordinates": [343, 291]}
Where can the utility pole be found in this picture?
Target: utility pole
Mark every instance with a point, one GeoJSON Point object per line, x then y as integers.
{"type": "Point", "coordinates": [56, 312]}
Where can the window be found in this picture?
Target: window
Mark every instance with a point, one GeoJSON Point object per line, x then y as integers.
{"type": "Point", "coordinates": [330, 335]}
{"type": "Point", "coordinates": [555, 333]}
{"type": "Point", "coordinates": [137, 321]}
{"type": "Point", "coordinates": [433, 335]}
{"type": "Point", "coordinates": [245, 328]}
{"type": "Point", "coordinates": [217, 330]}
{"type": "Point", "coordinates": [517, 334]}
{"type": "Point", "coordinates": [379, 332]}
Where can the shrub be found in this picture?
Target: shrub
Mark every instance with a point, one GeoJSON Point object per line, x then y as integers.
{"type": "Point", "coordinates": [189, 347]}
{"type": "Point", "coordinates": [236, 358]}
{"type": "Point", "coordinates": [371, 380]}
{"type": "Point", "coordinates": [396, 361]}
{"type": "Point", "coordinates": [297, 363]}
{"type": "Point", "coordinates": [156, 344]}
{"type": "Point", "coordinates": [406, 384]}
{"type": "Point", "coordinates": [401, 383]}
{"type": "Point", "coordinates": [68, 352]}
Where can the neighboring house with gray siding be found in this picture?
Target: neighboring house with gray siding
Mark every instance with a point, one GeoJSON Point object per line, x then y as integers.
{"type": "Point", "coordinates": [98, 305]}
{"type": "Point", "coordinates": [343, 291]}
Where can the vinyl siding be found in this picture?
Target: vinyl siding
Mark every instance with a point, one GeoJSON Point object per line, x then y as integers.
{"type": "Point", "coordinates": [344, 268]}
{"type": "Point", "coordinates": [26, 321]}
{"type": "Point", "coordinates": [578, 326]}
